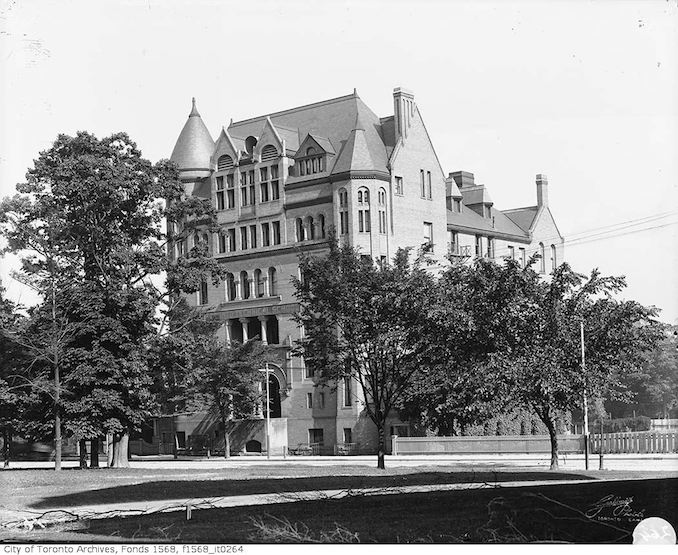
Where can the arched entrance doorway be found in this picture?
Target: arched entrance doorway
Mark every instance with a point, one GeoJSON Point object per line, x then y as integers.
{"type": "Point", "coordinates": [274, 396]}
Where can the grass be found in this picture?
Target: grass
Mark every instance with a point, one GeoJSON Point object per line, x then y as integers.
{"type": "Point", "coordinates": [438, 516]}
{"type": "Point", "coordinates": [543, 513]}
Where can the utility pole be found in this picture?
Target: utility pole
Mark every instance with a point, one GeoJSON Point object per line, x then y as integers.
{"type": "Point", "coordinates": [586, 412]}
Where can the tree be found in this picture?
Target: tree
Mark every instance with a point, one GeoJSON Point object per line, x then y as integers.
{"type": "Point", "coordinates": [546, 372]}
{"type": "Point", "coordinates": [99, 206]}
{"type": "Point", "coordinates": [226, 379]}
{"type": "Point", "coordinates": [365, 323]}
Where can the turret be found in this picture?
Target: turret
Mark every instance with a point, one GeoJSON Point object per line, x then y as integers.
{"type": "Point", "coordinates": [193, 149]}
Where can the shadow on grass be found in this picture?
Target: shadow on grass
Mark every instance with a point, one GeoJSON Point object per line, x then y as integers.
{"type": "Point", "coordinates": [199, 489]}
{"type": "Point", "coordinates": [555, 513]}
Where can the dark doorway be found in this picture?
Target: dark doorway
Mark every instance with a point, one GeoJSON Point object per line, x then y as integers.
{"type": "Point", "coordinates": [274, 397]}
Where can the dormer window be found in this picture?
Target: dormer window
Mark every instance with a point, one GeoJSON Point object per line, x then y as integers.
{"type": "Point", "coordinates": [312, 162]}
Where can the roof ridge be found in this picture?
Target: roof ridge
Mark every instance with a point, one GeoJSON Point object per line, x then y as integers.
{"type": "Point", "coordinates": [296, 109]}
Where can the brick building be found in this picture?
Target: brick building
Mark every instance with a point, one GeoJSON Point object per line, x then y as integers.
{"type": "Point", "coordinates": [280, 181]}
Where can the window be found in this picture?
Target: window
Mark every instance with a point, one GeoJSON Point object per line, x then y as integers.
{"type": "Point", "coordinates": [272, 281]}
{"type": "Point", "coordinates": [222, 243]}
{"type": "Point", "coordinates": [312, 163]}
{"type": "Point", "coordinates": [428, 185]}
{"type": "Point", "coordinates": [457, 205]}
{"type": "Point", "coordinates": [250, 179]}
{"type": "Point", "coordinates": [310, 226]}
{"type": "Point", "coordinates": [258, 284]}
{"type": "Point", "coordinates": [253, 236]}
{"type": "Point", "coordinates": [309, 400]}
{"type": "Point", "coordinates": [364, 211]}
{"type": "Point", "coordinates": [343, 212]}
{"type": "Point", "coordinates": [315, 435]}
{"type": "Point", "coordinates": [348, 401]}
{"type": "Point", "coordinates": [521, 257]}
{"type": "Point", "coordinates": [224, 163]}
{"type": "Point", "coordinates": [321, 400]}
{"type": "Point", "coordinates": [542, 262]}
{"type": "Point", "coordinates": [202, 294]}
{"type": "Point", "coordinates": [231, 240]}
{"type": "Point", "coordinates": [382, 221]}
{"type": "Point", "coordinates": [554, 263]}
{"type": "Point", "coordinates": [321, 220]}
{"type": "Point", "coordinates": [348, 436]}
{"type": "Point", "coordinates": [263, 187]}
{"type": "Point", "coordinates": [399, 185]}
{"type": "Point", "coordinates": [487, 210]}
{"type": "Point", "coordinates": [512, 253]}
{"type": "Point", "coordinates": [243, 238]}
{"type": "Point", "coordinates": [221, 204]}
{"type": "Point", "coordinates": [381, 197]}
{"type": "Point", "coordinates": [479, 245]}
{"type": "Point", "coordinates": [275, 189]}
{"type": "Point", "coordinates": [243, 189]}
{"type": "Point", "coordinates": [231, 292]}
{"type": "Point", "coordinates": [452, 242]}
{"type": "Point", "coordinates": [299, 229]}
{"type": "Point", "coordinates": [422, 184]}
{"type": "Point", "coordinates": [265, 235]}
{"type": "Point", "coordinates": [308, 370]}
{"type": "Point", "coordinates": [269, 153]}
{"type": "Point", "coordinates": [245, 285]}
{"type": "Point", "coordinates": [490, 247]}
{"type": "Point", "coordinates": [230, 190]}
{"type": "Point", "coordinates": [428, 234]}
{"type": "Point", "coordinates": [276, 233]}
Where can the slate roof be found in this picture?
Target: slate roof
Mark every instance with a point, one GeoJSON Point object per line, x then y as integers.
{"type": "Point", "coordinates": [332, 119]}
{"type": "Point", "coordinates": [470, 220]}
{"type": "Point", "coordinates": [523, 217]}
{"type": "Point", "coordinates": [195, 145]}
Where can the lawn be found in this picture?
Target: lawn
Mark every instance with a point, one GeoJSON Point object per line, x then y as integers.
{"type": "Point", "coordinates": [509, 514]}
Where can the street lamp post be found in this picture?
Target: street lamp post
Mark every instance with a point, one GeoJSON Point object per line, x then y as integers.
{"type": "Point", "coordinates": [586, 411]}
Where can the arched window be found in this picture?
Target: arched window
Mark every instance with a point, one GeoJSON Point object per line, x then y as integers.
{"type": "Point", "coordinates": [269, 153]}
{"type": "Point", "coordinates": [259, 283]}
{"type": "Point", "coordinates": [245, 284]}
{"type": "Point", "coordinates": [542, 262]}
{"type": "Point", "coordinates": [343, 197]}
{"type": "Point", "coordinates": [272, 281]}
{"type": "Point", "coordinates": [364, 224]}
{"type": "Point", "coordinates": [206, 242]}
{"type": "Point", "coordinates": [224, 163]}
{"type": "Point", "coordinates": [311, 227]}
{"type": "Point", "coordinates": [554, 262]}
{"type": "Point", "coordinates": [299, 229]}
{"type": "Point", "coordinates": [250, 143]}
{"type": "Point", "coordinates": [321, 220]}
{"type": "Point", "coordinates": [343, 212]}
{"type": "Point", "coordinates": [231, 292]}
{"type": "Point", "coordinates": [310, 151]}
{"type": "Point", "coordinates": [382, 197]}
{"type": "Point", "coordinates": [202, 294]}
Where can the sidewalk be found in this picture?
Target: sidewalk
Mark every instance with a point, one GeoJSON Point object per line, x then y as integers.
{"type": "Point", "coordinates": [31, 519]}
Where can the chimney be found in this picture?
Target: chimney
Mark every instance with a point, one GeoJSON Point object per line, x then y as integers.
{"type": "Point", "coordinates": [403, 111]}
{"type": "Point", "coordinates": [542, 190]}
{"type": "Point", "coordinates": [463, 179]}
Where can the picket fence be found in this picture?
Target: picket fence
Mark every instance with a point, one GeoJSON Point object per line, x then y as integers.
{"type": "Point", "coordinates": [635, 442]}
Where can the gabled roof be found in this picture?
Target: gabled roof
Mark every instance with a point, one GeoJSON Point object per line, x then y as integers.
{"type": "Point", "coordinates": [194, 147]}
{"type": "Point", "coordinates": [523, 217]}
{"type": "Point", "coordinates": [324, 143]}
{"type": "Point", "coordinates": [498, 225]}
{"type": "Point", "coordinates": [330, 119]}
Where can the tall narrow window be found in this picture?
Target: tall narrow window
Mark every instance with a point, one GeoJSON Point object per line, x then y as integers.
{"type": "Point", "coordinates": [243, 238]}
{"type": "Point", "coordinates": [276, 233]}
{"type": "Point", "coordinates": [311, 227]}
{"type": "Point", "coordinates": [512, 253]}
{"type": "Point", "coordinates": [245, 284]}
{"type": "Point", "coordinates": [222, 243]}
{"type": "Point", "coordinates": [542, 262]}
{"type": "Point", "coordinates": [202, 297]}
{"type": "Point", "coordinates": [363, 210]}
{"type": "Point", "coordinates": [428, 235]}
{"type": "Point", "coordinates": [347, 392]}
{"type": "Point", "coordinates": [243, 189]}
{"type": "Point", "coordinates": [265, 234]}
{"type": "Point", "coordinates": [231, 240]}
{"type": "Point", "coordinates": [309, 400]}
{"type": "Point", "coordinates": [381, 197]}
{"type": "Point", "coordinates": [398, 185]}
{"type": "Point", "coordinates": [554, 263]}
{"type": "Point", "coordinates": [490, 247]}
{"type": "Point", "coordinates": [479, 245]}
{"type": "Point", "coordinates": [299, 229]}
{"type": "Point", "coordinates": [343, 211]}
{"type": "Point", "coordinates": [457, 205]}
{"type": "Point", "coordinates": [231, 293]}
{"type": "Point", "coordinates": [258, 283]}
{"type": "Point", "coordinates": [428, 185]}
{"type": "Point", "coordinates": [272, 281]}
{"type": "Point", "coordinates": [521, 257]}
{"type": "Point", "coordinates": [275, 188]}
{"type": "Point", "coordinates": [263, 186]}
{"type": "Point", "coordinates": [321, 223]}
{"type": "Point", "coordinates": [221, 204]}
{"type": "Point", "coordinates": [422, 184]}
{"type": "Point", "coordinates": [250, 179]}
{"type": "Point", "coordinates": [230, 190]}
{"type": "Point", "coordinates": [452, 242]}
{"type": "Point", "coordinates": [253, 236]}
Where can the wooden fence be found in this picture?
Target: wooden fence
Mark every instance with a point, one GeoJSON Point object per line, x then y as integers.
{"type": "Point", "coordinates": [635, 442]}
{"type": "Point", "coordinates": [477, 445]}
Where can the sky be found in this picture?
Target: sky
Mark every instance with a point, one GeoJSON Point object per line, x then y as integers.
{"type": "Point", "coordinates": [585, 92]}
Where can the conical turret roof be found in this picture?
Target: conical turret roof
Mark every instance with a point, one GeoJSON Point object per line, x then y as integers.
{"type": "Point", "coordinates": [194, 147]}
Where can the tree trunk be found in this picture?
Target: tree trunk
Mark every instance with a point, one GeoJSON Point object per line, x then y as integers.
{"type": "Point", "coordinates": [551, 427]}
{"type": "Point", "coordinates": [120, 450]}
{"type": "Point", "coordinates": [6, 446]}
{"type": "Point", "coordinates": [57, 437]}
{"type": "Point", "coordinates": [82, 447]}
{"type": "Point", "coordinates": [109, 450]}
{"type": "Point", "coordinates": [381, 448]}
{"type": "Point", "coordinates": [94, 455]}
{"type": "Point", "coordinates": [227, 444]}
